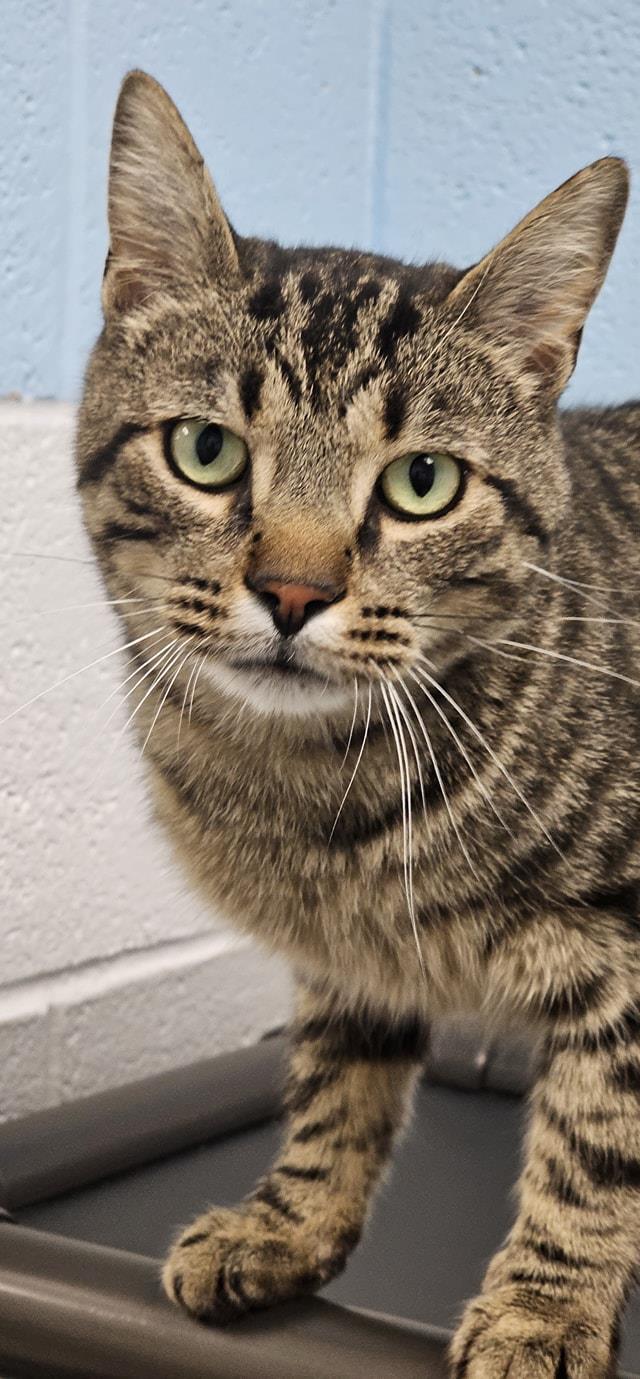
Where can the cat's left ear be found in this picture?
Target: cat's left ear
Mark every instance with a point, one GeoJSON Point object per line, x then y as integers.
{"type": "Point", "coordinates": [532, 293]}
{"type": "Point", "coordinates": [167, 227]}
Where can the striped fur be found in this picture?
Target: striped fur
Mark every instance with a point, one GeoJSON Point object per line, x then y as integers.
{"type": "Point", "coordinates": [500, 640]}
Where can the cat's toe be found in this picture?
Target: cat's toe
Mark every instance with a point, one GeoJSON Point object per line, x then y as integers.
{"type": "Point", "coordinates": [227, 1264]}
{"type": "Point", "coordinates": [532, 1338]}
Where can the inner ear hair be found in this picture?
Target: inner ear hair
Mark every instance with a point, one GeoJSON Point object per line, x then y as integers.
{"type": "Point", "coordinates": [166, 224]}
{"type": "Point", "coordinates": [531, 295]}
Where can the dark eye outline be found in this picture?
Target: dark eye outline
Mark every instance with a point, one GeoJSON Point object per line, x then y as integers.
{"type": "Point", "coordinates": [168, 428]}
{"type": "Point", "coordinates": [427, 516]}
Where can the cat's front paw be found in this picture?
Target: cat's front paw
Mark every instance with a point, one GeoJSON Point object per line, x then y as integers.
{"type": "Point", "coordinates": [229, 1262]}
{"type": "Point", "coordinates": [523, 1334]}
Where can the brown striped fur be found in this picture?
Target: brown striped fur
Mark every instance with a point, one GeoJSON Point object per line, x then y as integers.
{"type": "Point", "coordinates": [330, 364]}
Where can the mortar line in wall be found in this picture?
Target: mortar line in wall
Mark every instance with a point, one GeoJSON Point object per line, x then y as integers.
{"type": "Point", "coordinates": [37, 994]}
{"type": "Point", "coordinates": [380, 61]}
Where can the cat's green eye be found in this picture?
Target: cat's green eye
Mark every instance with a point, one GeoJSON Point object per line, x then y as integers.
{"type": "Point", "coordinates": [206, 454]}
{"type": "Point", "coordinates": [422, 485]}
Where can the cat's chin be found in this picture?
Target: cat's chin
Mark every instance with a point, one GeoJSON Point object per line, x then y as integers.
{"type": "Point", "coordinates": [271, 691]}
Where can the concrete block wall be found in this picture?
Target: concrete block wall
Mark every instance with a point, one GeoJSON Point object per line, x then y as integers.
{"type": "Point", "coordinates": [109, 968]}
{"type": "Point", "coordinates": [422, 129]}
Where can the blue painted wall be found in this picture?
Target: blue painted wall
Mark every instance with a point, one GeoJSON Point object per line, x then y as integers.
{"type": "Point", "coordinates": [421, 127]}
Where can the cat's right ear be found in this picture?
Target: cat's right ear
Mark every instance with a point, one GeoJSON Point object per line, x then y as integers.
{"type": "Point", "coordinates": [167, 227]}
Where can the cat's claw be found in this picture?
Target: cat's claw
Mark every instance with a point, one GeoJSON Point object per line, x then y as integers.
{"type": "Point", "coordinates": [226, 1263]}
{"type": "Point", "coordinates": [509, 1333]}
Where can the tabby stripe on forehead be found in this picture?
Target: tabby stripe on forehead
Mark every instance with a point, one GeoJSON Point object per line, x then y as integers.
{"type": "Point", "coordinates": [401, 322]}
{"type": "Point", "coordinates": [250, 390]}
{"type": "Point", "coordinates": [520, 508]}
{"type": "Point", "coordinates": [101, 461]}
{"type": "Point", "coordinates": [394, 412]}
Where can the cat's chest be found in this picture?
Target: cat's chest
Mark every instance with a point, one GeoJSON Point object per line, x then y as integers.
{"type": "Point", "coordinates": [266, 849]}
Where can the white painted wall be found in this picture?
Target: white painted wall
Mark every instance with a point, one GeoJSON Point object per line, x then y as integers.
{"type": "Point", "coordinates": [109, 967]}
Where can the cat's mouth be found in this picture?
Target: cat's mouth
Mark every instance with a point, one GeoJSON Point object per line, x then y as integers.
{"type": "Point", "coordinates": [279, 667]}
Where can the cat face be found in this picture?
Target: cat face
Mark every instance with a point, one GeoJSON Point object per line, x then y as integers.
{"type": "Point", "coordinates": [318, 465]}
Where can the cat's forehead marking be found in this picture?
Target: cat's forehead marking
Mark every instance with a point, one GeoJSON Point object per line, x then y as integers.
{"type": "Point", "coordinates": [331, 326]}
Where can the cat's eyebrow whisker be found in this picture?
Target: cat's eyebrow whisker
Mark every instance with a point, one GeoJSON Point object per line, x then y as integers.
{"type": "Point", "coordinates": [355, 769]}
{"type": "Point", "coordinates": [441, 784]}
{"type": "Point", "coordinates": [462, 749]}
{"type": "Point", "coordinates": [353, 722]}
{"type": "Point", "coordinates": [167, 691]}
{"type": "Point", "coordinates": [74, 673]}
{"type": "Point", "coordinates": [489, 749]}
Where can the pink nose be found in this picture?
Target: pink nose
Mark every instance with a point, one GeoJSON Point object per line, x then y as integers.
{"type": "Point", "coordinates": [291, 605]}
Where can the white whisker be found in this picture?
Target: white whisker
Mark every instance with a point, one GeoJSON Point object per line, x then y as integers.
{"type": "Point", "coordinates": [355, 769]}
{"type": "Point", "coordinates": [353, 723]}
{"type": "Point", "coordinates": [194, 685]}
{"type": "Point", "coordinates": [74, 673]}
{"type": "Point", "coordinates": [580, 584]}
{"type": "Point", "coordinates": [192, 672]}
{"type": "Point", "coordinates": [462, 749]}
{"type": "Point", "coordinates": [167, 691]}
{"type": "Point", "coordinates": [561, 656]}
{"type": "Point", "coordinates": [160, 672]}
{"type": "Point", "coordinates": [142, 671]}
{"type": "Point", "coordinates": [104, 603]}
{"type": "Point", "coordinates": [503, 770]}
{"type": "Point", "coordinates": [441, 785]}
{"type": "Point", "coordinates": [405, 795]}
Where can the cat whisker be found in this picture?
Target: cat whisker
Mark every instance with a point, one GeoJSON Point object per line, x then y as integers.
{"type": "Point", "coordinates": [441, 784]}
{"type": "Point", "coordinates": [74, 673]}
{"type": "Point", "coordinates": [46, 555]}
{"type": "Point", "coordinates": [160, 672]}
{"type": "Point", "coordinates": [192, 672]}
{"type": "Point", "coordinates": [463, 751]}
{"type": "Point", "coordinates": [489, 749]}
{"type": "Point", "coordinates": [581, 584]}
{"type": "Point", "coordinates": [151, 665]}
{"type": "Point", "coordinates": [360, 756]}
{"type": "Point", "coordinates": [405, 795]}
{"type": "Point", "coordinates": [105, 603]}
{"type": "Point", "coordinates": [353, 722]}
{"type": "Point", "coordinates": [560, 656]}
{"type": "Point", "coordinates": [395, 710]}
{"type": "Point", "coordinates": [574, 586]}
{"type": "Point", "coordinates": [401, 709]}
{"type": "Point", "coordinates": [167, 691]}
{"type": "Point", "coordinates": [194, 686]}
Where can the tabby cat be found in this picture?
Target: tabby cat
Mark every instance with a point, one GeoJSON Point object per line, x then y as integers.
{"type": "Point", "coordinates": [381, 665]}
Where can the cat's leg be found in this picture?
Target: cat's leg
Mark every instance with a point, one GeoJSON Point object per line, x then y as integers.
{"type": "Point", "coordinates": [553, 1295]}
{"type": "Point", "coordinates": [349, 1090]}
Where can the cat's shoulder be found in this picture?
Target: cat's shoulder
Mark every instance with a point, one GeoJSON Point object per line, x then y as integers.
{"type": "Point", "coordinates": [616, 426]}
